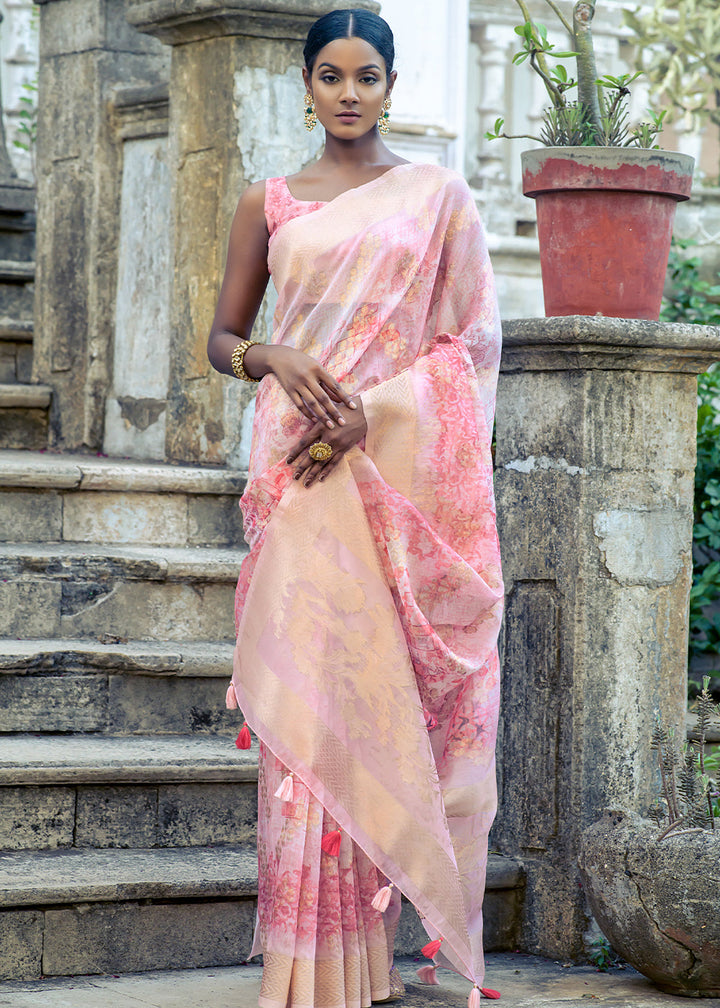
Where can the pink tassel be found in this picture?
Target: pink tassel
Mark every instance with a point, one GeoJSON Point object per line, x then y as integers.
{"type": "Point", "coordinates": [381, 899]}
{"type": "Point", "coordinates": [490, 994]}
{"type": "Point", "coordinates": [430, 719]}
{"type": "Point", "coordinates": [244, 739]}
{"type": "Point", "coordinates": [432, 948]}
{"type": "Point", "coordinates": [330, 843]}
{"type": "Point", "coordinates": [428, 975]}
{"type": "Point", "coordinates": [285, 791]}
{"type": "Point", "coordinates": [474, 999]}
{"type": "Point", "coordinates": [230, 698]}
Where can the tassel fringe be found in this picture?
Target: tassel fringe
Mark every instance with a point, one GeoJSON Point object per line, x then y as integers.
{"type": "Point", "coordinates": [230, 698]}
{"type": "Point", "coordinates": [244, 739]}
{"type": "Point", "coordinates": [381, 899]}
{"type": "Point", "coordinates": [474, 999]}
{"type": "Point", "coordinates": [488, 992]}
{"type": "Point", "coordinates": [428, 975]}
{"type": "Point", "coordinates": [330, 843]}
{"type": "Point", "coordinates": [432, 948]}
{"type": "Point", "coordinates": [285, 791]}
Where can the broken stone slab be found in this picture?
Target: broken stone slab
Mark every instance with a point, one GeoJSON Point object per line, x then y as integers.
{"type": "Point", "coordinates": [143, 610]}
{"type": "Point", "coordinates": [161, 658]}
{"type": "Point", "coordinates": [57, 759]}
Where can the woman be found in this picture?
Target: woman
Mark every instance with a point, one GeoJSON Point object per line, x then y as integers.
{"type": "Point", "coordinates": [369, 604]}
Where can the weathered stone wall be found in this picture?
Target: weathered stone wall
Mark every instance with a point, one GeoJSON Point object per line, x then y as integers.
{"type": "Point", "coordinates": [87, 48]}
{"type": "Point", "coordinates": [594, 481]}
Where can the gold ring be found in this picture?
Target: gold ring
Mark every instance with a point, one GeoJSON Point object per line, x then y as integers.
{"type": "Point", "coordinates": [320, 452]}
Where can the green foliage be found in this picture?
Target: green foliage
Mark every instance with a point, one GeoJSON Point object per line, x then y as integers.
{"type": "Point", "coordinates": [599, 117]}
{"type": "Point", "coordinates": [602, 955]}
{"type": "Point", "coordinates": [695, 300]}
{"type": "Point", "coordinates": [688, 792]}
{"type": "Point", "coordinates": [27, 126]}
{"type": "Point", "coordinates": [679, 41]}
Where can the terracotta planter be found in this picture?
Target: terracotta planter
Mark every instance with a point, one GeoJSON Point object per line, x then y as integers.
{"type": "Point", "coordinates": [605, 219]}
{"type": "Point", "coordinates": [657, 901]}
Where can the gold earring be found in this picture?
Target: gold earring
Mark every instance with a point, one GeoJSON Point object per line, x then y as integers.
{"type": "Point", "coordinates": [310, 116]}
{"type": "Point", "coordinates": [384, 120]}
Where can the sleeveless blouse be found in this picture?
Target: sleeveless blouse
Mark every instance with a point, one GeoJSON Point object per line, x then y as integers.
{"type": "Point", "coordinates": [281, 206]}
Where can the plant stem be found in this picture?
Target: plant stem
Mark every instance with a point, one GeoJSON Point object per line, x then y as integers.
{"type": "Point", "coordinates": [540, 63]}
{"type": "Point", "coordinates": [566, 24]}
{"type": "Point", "coordinates": [587, 72]}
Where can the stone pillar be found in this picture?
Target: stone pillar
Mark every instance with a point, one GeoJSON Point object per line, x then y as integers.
{"type": "Point", "coordinates": [236, 116]}
{"type": "Point", "coordinates": [86, 49]}
{"type": "Point", "coordinates": [595, 457]}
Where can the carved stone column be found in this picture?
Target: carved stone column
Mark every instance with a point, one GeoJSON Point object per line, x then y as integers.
{"type": "Point", "coordinates": [236, 116]}
{"type": "Point", "coordinates": [86, 49]}
{"type": "Point", "coordinates": [595, 458]}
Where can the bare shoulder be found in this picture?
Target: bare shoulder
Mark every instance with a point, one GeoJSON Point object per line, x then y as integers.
{"type": "Point", "coordinates": [252, 201]}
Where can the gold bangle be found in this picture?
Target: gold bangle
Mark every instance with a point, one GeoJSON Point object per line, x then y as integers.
{"type": "Point", "coordinates": [237, 360]}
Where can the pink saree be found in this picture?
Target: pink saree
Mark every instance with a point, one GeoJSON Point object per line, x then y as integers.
{"type": "Point", "coordinates": [368, 607]}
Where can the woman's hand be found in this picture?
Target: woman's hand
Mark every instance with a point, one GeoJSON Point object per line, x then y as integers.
{"type": "Point", "coordinates": [310, 387]}
{"type": "Point", "coordinates": [352, 430]}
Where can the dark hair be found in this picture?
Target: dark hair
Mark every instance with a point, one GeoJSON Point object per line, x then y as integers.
{"type": "Point", "coordinates": [350, 24]}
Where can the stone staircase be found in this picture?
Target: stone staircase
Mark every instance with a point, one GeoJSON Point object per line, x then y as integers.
{"type": "Point", "coordinates": [24, 407]}
{"type": "Point", "coordinates": [127, 815]}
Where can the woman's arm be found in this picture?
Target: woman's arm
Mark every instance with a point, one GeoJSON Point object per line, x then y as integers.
{"type": "Point", "coordinates": [310, 387]}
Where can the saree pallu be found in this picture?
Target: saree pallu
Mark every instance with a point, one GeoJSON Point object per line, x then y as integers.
{"type": "Point", "coordinates": [368, 607]}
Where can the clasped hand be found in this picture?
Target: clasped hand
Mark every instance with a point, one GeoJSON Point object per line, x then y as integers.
{"type": "Point", "coordinates": [338, 419]}
{"type": "Point", "coordinates": [341, 439]}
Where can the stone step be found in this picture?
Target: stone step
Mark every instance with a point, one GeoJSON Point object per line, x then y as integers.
{"type": "Point", "coordinates": [16, 330]}
{"type": "Point", "coordinates": [149, 792]}
{"type": "Point", "coordinates": [73, 912]}
{"type": "Point", "coordinates": [74, 498]}
{"type": "Point", "coordinates": [16, 271]}
{"type": "Point", "coordinates": [24, 415]}
{"type": "Point", "coordinates": [117, 687]}
{"type": "Point", "coordinates": [64, 913]}
{"type": "Point", "coordinates": [71, 590]}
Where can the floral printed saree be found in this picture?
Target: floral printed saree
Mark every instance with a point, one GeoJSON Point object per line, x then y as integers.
{"type": "Point", "coordinates": [369, 605]}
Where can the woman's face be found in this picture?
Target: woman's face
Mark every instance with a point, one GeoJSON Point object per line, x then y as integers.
{"type": "Point", "coordinates": [349, 85]}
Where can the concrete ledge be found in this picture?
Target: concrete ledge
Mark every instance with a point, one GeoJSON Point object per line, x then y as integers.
{"type": "Point", "coordinates": [15, 271]}
{"type": "Point", "coordinates": [16, 330]}
{"type": "Point", "coordinates": [47, 471]}
{"type": "Point", "coordinates": [25, 396]}
{"type": "Point", "coordinates": [576, 342]}
{"type": "Point", "coordinates": [211, 659]}
{"type": "Point", "coordinates": [71, 561]}
{"type": "Point", "coordinates": [76, 759]}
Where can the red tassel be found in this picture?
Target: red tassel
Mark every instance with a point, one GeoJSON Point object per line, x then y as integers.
{"type": "Point", "coordinates": [490, 994]}
{"type": "Point", "coordinates": [285, 791]}
{"type": "Point", "coordinates": [432, 948]}
{"type": "Point", "coordinates": [474, 999]}
{"type": "Point", "coordinates": [230, 698]}
{"type": "Point", "coordinates": [381, 899]}
{"type": "Point", "coordinates": [244, 739]}
{"type": "Point", "coordinates": [428, 975]}
{"type": "Point", "coordinates": [330, 843]}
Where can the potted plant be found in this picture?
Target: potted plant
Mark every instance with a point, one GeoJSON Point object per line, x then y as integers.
{"type": "Point", "coordinates": [654, 887]}
{"type": "Point", "coordinates": [605, 194]}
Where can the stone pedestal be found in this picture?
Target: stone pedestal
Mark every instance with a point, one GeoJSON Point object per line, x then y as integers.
{"type": "Point", "coordinates": [236, 116]}
{"type": "Point", "coordinates": [595, 458]}
{"type": "Point", "coordinates": [86, 49]}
